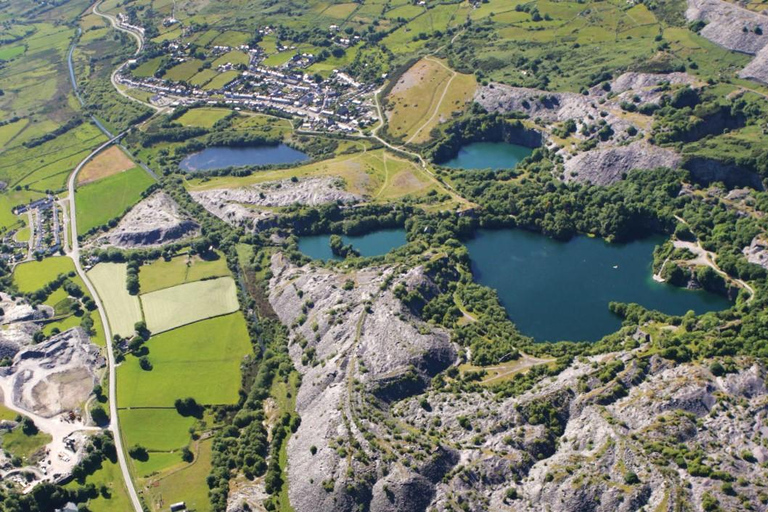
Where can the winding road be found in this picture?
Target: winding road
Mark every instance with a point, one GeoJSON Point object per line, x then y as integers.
{"type": "Point", "coordinates": [74, 253]}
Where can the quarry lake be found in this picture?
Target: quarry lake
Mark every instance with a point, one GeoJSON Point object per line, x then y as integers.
{"type": "Point", "coordinates": [488, 155]}
{"type": "Point", "coordinates": [223, 157]}
{"type": "Point", "coordinates": [560, 290]}
{"type": "Point", "coordinates": [376, 243]}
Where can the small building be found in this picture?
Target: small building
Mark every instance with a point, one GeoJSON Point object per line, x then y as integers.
{"type": "Point", "coordinates": [178, 507]}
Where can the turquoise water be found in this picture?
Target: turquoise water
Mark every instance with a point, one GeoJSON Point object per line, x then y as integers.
{"type": "Point", "coordinates": [223, 157]}
{"type": "Point", "coordinates": [560, 290]}
{"type": "Point", "coordinates": [488, 155]}
{"type": "Point", "coordinates": [376, 243]}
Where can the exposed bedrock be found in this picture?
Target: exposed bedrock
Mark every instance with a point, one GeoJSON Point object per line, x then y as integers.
{"type": "Point", "coordinates": [706, 170]}
{"type": "Point", "coordinates": [735, 28]}
{"type": "Point", "coordinates": [251, 205]}
{"type": "Point", "coordinates": [358, 349]}
{"type": "Point", "coordinates": [599, 456]}
{"type": "Point", "coordinates": [54, 376]}
{"type": "Point", "coordinates": [157, 220]}
{"type": "Point", "coordinates": [606, 166]}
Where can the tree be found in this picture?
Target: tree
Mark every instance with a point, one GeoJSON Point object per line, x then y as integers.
{"type": "Point", "coordinates": [141, 330]}
{"type": "Point", "coordinates": [187, 455]}
{"type": "Point", "coordinates": [99, 415]}
{"type": "Point", "coordinates": [138, 452]}
{"type": "Point", "coordinates": [28, 427]}
{"type": "Point", "coordinates": [188, 407]}
{"type": "Point", "coordinates": [145, 363]}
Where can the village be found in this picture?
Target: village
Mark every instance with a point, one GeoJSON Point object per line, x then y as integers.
{"type": "Point", "coordinates": [337, 103]}
{"type": "Point", "coordinates": [40, 232]}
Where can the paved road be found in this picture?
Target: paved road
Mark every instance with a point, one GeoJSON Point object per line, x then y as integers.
{"type": "Point", "coordinates": [74, 253]}
{"type": "Point", "coordinates": [139, 46]}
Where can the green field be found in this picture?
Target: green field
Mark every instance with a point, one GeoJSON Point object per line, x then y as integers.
{"type": "Point", "coordinates": [187, 484]}
{"type": "Point", "coordinates": [173, 307]}
{"type": "Point", "coordinates": [179, 270]}
{"type": "Point", "coordinates": [106, 199]}
{"type": "Point", "coordinates": [221, 80]}
{"type": "Point", "coordinates": [205, 117]}
{"type": "Point", "coordinates": [184, 71]}
{"type": "Point", "coordinates": [377, 175]}
{"type": "Point", "coordinates": [157, 430]}
{"type": "Point", "coordinates": [33, 275]}
{"type": "Point", "coordinates": [148, 68]}
{"type": "Point", "coordinates": [201, 360]}
{"type": "Point", "coordinates": [17, 443]}
{"type": "Point", "coordinates": [123, 309]}
{"type": "Point", "coordinates": [116, 499]}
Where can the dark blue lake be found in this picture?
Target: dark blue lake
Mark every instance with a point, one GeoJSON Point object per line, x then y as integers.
{"type": "Point", "coordinates": [560, 290]}
{"type": "Point", "coordinates": [376, 243]}
{"type": "Point", "coordinates": [488, 155]}
{"type": "Point", "coordinates": [223, 157]}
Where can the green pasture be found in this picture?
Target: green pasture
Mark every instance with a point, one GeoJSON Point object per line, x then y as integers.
{"type": "Point", "coordinates": [109, 198]}
{"type": "Point", "coordinates": [187, 484]}
{"type": "Point", "coordinates": [173, 307]}
{"type": "Point", "coordinates": [123, 309]}
{"type": "Point", "coordinates": [205, 116]}
{"type": "Point", "coordinates": [157, 430]}
{"type": "Point", "coordinates": [116, 497]}
{"type": "Point", "coordinates": [200, 360]}
{"type": "Point", "coordinates": [179, 270]}
{"type": "Point", "coordinates": [33, 275]}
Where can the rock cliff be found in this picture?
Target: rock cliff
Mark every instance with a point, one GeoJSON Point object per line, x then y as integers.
{"type": "Point", "coordinates": [735, 28]}
{"type": "Point", "coordinates": [358, 350]}
{"type": "Point", "coordinates": [155, 221]}
{"type": "Point", "coordinates": [254, 204]}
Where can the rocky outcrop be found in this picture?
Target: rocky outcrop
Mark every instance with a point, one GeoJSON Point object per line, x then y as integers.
{"type": "Point", "coordinates": [20, 322]}
{"type": "Point", "coordinates": [156, 221]}
{"type": "Point", "coordinates": [735, 28]}
{"type": "Point", "coordinates": [55, 376]}
{"type": "Point", "coordinates": [579, 442]}
{"type": "Point", "coordinates": [706, 170]}
{"type": "Point", "coordinates": [251, 205]}
{"type": "Point", "coordinates": [757, 252]}
{"type": "Point", "coordinates": [358, 350]}
{"type": "Point", "coordinates": [603, 167]}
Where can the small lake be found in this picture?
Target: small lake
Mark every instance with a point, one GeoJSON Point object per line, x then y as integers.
{"type": "Point", "coordinates": [560, 290]}
{"type": "Point", "coordinates": [376, 243]}
{"type": "Point", "coordinates": [489, 155]}
{"type": "Point", "coordinates": [223, 157]}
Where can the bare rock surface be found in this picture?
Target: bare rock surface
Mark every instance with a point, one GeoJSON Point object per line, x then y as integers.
{"type": "Point", "coordinates": [251, 204]}
{"type": "Point", "coordinates": [596, 448]}
{"type": "Point", "coordinates": [757, 252]}
{"type": "Point", "coordinates": [20, 321]}
{"type": "Point", "coordinates": [358, 349]}
{"type": "Point", "coordinates": [54, 376]}
{"type": "Point", "coordinates": [613, 156]}
{"type": "Point", "coordinates": [606, 166]}
{"type": "Point", "coordinates": [157, 220]}
{"type": "Point", "coordinates": [377, 432]}
{"type": "Point", "coordinates": [733, 27]}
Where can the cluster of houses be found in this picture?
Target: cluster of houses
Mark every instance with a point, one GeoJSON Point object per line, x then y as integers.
{"type": "Point", "coordinates": [336, 104]}
{"type": "Point", "coordinates": [44, 221]}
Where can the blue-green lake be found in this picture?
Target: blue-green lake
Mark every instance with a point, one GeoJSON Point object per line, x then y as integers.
{"type": "Point", "coordinates": [560, 290]}
{"type": "Point", "coordinates": [376, 243]}
{"type": "Point", "coordinates": [223, 157]}
{"type": "Point", "coordinates": [488, 155]}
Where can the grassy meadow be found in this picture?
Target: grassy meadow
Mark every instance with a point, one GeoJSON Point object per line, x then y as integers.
{"type": "Point", "coordinates": [170, 308]}
{"type": "Point", "coordinates": [179, 270]}
{"type": "Point", "coordinates": [123, 309]}
{"type": "Point", "coordinates": [33, 275]}
{"type": "Point", "coordinates": [109, 198]}
{"type": "Point", "coordinates": [200, 360]}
